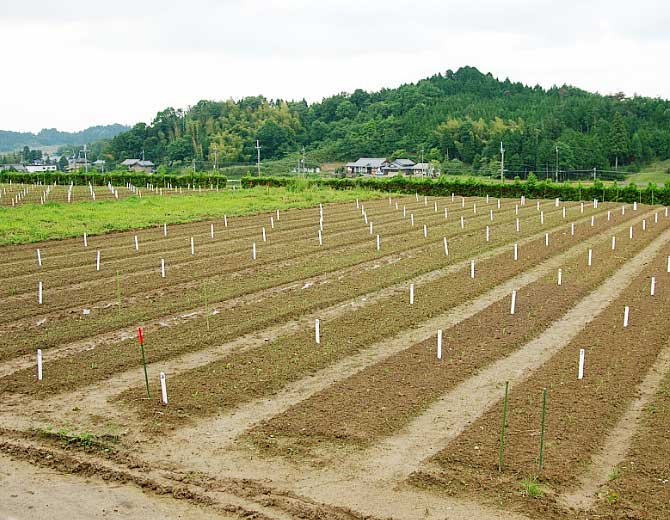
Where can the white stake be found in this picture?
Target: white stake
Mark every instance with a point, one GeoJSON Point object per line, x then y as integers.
{"type": "Point", "coordinates": [378, 243]}
{"type": "Point", "coordinates": [656, 218]}
{"type": "Point", "coordinates": [404, 212]}
{"type": "Point", "coordinates": [164, 230]}
{"type": "Point", "coordinates": [580, 374]}
{"type": "Point", "coordinates": [498, 203]}
{"type": "Point", "coordinates": [513, 307]}
{"type": "Point", "coordinates": [211, 231]}
{"type": "Point", "coordinates": [39, 258]}
{"type": "Point", "coordinates": [538, 205]}
{"type": "Point", "coordinates": [192, 247]}
{"type": "Point", "coordinates": [411, 218]}
{"type": "Point", "coordinates": [653, 286]}
{"type": "Point", "coordinates": [563, 212]}
{"type": "Point", "coordinates": [225, 221]}
{"type": "Point", "coordinates": [39, 364]}
{"type": "Point", "coordinates": [97, 261]}
{"type": "Point", "coordinates": [590, 256]}
{"type": "Point", "coordinates": [164, 398]}
{"type": "Point", "coordinates": [609, 215]}
{"type": "Point", "coordinates": [487, 199]}
{"type": "Point", "coordinates": [435, 206]}
{"type": "Point", "coordinates": [542, 217]}
{"type": "Point", "coordinates": [85, 240]}
{"type": "Point", "coordinates": [630, 232]}
{"type": "Point", "coordinates": [320, 238]}
{"type": "Point", "coordinates": [613, 243]}
{"type": "Point", "coordinates": [371, 228]}
{"type": "Point", "coordinates": [462, 202]}
{"type": "Point", "coordinates": [425, 231]}
{"type": "Point", "coordinates": [491, 215]}
{"type": "Point", "coordinates": [556, 203]}
{"type": "Point", "coordinates": [462, 222]}
{"type": "Point", "coordinates": [516, 209]}
{"type": "Point", "coordinates": [546, 239]}
{"type": "Point", "coordinates": [439, 344]}
{"type": "Point", "coordinates": [446, 214]}
{"type": "Point", "coordinates": [518, 226]}
{"type": "Point", "coordinates": [446, 251]}
{"type": "Point", "coordinates": [39, 292]}
{"type": "Point", "coordinates": [265, 238]}
{"type": "Point", "coordinates": [572, 229]}
{"type": "Point", "coordinates": [560, 277]}
{"type": "Point", "coordinates": [487, 233]}
{"type": "Point", "coordinates": [472, 269]}
{"type": "Point", "coordinates": [253, 251]}
{"type": "Point", "coordinates": [626, 313]}
{"type": "Point", "coordinates": [317, 331]}
{"type": "Point", "coordinates": [162, 268]}
{"type": "Point", "coordinates": [582, 207]}
{"type": "Point", "coordinates": [411, 294]}
{"type": "Point", "coordinates": [623, 210]}
{"type": "Point", "coordinates": [634, 206]}
{"type": "Point", "coordinates": [593, 220]}
{"type": "Point", "coordinates": [474, 207]}
{"type": "Point", "coordinates": [644, 224]}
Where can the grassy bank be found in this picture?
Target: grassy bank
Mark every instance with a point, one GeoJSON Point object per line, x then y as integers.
{"type": "Point", "coordinates": [33, 222]}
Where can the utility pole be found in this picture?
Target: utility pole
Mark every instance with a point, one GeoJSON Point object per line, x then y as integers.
{"type": "Point", "coordinates": [594, 175]}
{"type": "Point", "coordinates": [556, 163]}
{"type": "Point", "coordinates": [258, 157]}
{"type": "Point", "coordinates": [85, 160]}
{"type": "Point", "coordinates": [502, 163]}
{"type": "Point", "coordinates": [215, 158]}
{"type": "Point", "coordinates": [423, 172]}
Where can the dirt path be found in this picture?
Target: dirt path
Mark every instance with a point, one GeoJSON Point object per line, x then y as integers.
{"type": "Point", "coordinates": [396, 457]}
{"type": "Point", "coordinates": [618, 441]}
{"type": "Point", "coordinates": [29, 492]}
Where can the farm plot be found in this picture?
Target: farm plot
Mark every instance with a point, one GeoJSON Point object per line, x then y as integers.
{"type": "Point", "coordinates": [620, 345]}
{"type": "Point", "coordinates": [298, 371]}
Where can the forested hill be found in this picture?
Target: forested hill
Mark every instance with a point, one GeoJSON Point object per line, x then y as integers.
{"type": "Point", "coordinates": [462, 115]}
{"type": "Point", "coordinates": [10, 141]}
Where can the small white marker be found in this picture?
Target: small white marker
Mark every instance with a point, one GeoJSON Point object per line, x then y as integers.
{"type": "Point", "coordinates": [590, 256]}
{"type": "Point", "coordinates": [487, 234]}
{"type": "Point", "coordinates": [626, 313]}
{"type": "Point", "coordinates": [85, 240]}
{"type": "Point", "coordinates": [516, 209]}
{"type": "Point", "coordinates": [137, 245]}
{"type": "Point", "coordinates": [572, 229]}
{"type": "Point", "coordinates": [371, 228]}
{"type": "Point", "coordinates": [593, 220]}
{"type": "Point", "coordinates": [634, 206]}
{"type": "Point", "coordinates": [462, 222]}
{"type": "Point", "coordinates": [192, 247]}
{"type": "Point", "coordinates": [513, 306]}
{"type": "Point", "coordinates": [491, 215]}
{"type": "Point", "coordinates": [211, 231]}
{"type": "Point", "coordinates": [253, 251]}
{"type": "Point", "coordinates": [411, 294]}
{"type": "Point", "coordinates": [317, 331]}
{"type": "Point", "coordinates": [516, 252]}
{"type": "Point", "coordinates": [630, 232]}
{"type": "Point", "coordinates": [411, 218]}
{"type": "Point", "coordinates": [164, 230]}
{"type": "Point", "coordinates": [542, 217]}
{"type": "Point", "coordinates": [446, 213]}
{"type": "Point", "coordinates": [518, 225]}
{"type": "Point", "coordinates": [446, 251]}
{"type": "Point", "coordinates": [498, 203]}
{"type": "Point", "coordinates": [644, 224]}
{"type": "Point", "coordinates": [320, 238]}
{"type": "Point", "coordinates": [378, 243]}
{"type": "Point", "coordinates": [609, 215]}
{"type": "Point", "coordinates": [265, 238]}
{"type": "Point", "coordinates": [439, 344]}
{"type": "Point", "coordinates": [581, 207]}
{"type": "Point", "coordinates": [564, 212]}
{"type": "Point", "coordinates": [560, 277]}
{"type": "Point", "coordinates": [580, 373]}
{"type": "Point", "coordinates": [97, 261]}
{"type": "Point", "coordinates": [164, 398]}
{"type": "Point", "coordinates": [472, 269]}
{"type": "Point", "coordinates": [39, 364]}
{"type": "Point", "coordinates": [39, 292]}
{"type": "Point", "coordinates": [425, 231]}
{"type": "Point", "coordinates": [39, 258]}
{"type": "Point", "coordinates": [162, 268]}
{"type": "Point", "coordinates": [613, 243]}
{"type": "Point", "coordinates": [225, 221]}
{"type": "Point", "coordinates": [653, 286]}
{"type": "Point", "coordinates": [546, 239]}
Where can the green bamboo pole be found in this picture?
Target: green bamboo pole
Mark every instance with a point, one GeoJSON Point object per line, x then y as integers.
{"type": "Point", "coordinates": [144, 360]}
{"type": "Point", "coordinates": [544, 416]}
{"type": "Point", "coordinates": [502, 428]}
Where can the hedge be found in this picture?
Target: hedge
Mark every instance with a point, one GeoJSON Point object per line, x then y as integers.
{"type": "Point", "coordinates": [116, 178]}
{"type": "Point", "coordinates": [444, 186]}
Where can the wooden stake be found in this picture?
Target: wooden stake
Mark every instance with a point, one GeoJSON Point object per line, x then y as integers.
{"type": "Point", "coordinates": [513, 306]}
{"type": "Point", "coordinates": [580, 372]}
{"type": "Point", "coordinates": [411, 294]}
{"type": "Point", "coordinates": [164, 398]}
{"type": "Point", "coordinates": [317, 331]}
{"type": "Point", "coordinates": [626, 314]}
{"type": "Point", "coordinates": [439, 344]}
{"type": "Point", "coordinates": [501, 448]}
{"type": "Point", "coordinates": [39, 364]}
{"type": "Point", "coordinates": [542, 426]}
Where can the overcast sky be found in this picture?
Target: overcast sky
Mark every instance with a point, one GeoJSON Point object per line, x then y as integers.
{"type": "Point", "coordinates": [71, 64]}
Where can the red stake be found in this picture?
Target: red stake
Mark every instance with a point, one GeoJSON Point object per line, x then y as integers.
{"type": "Point", "coordinates": [140, 335]}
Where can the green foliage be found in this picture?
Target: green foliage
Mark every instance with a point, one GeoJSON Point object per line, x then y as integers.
{"type": "Point", "coordinates": [462, 115]}
{"type": "Point", "coordinates": [35, 222]}
{"type": "Point", "coordinates": [446, 185]}
{"type": "Point", "coordinates": [532, 488]}
{"type": "Point", "coordinates": [118, 178]}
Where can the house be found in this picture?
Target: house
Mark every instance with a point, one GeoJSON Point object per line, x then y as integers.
{"type": "Point", "coordinates": [423, 169]}
{"type": "Point", "coordinates": [138, 165]}
{"type": "Point", "coordinates": [399, 167]}
{"type": "Point", "coordinates": [99, 165]}
{"type": "Point", "coordinates": [367, 166]}
{"type": "Point", "coordinates": [380, 166]}
{"type": "Point", "coordinates": [77, 163]}
{"type": "Point", "coordinates": [40, 167]}
{"type": "Point", "coordinates": [13, 167]}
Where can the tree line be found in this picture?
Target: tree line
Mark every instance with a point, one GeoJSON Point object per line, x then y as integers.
{"type": "Point", "coordinates": [454, 118]}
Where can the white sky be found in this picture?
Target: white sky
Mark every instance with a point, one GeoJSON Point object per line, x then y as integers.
{"type": "Point", "coordinates": [71, 64]}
